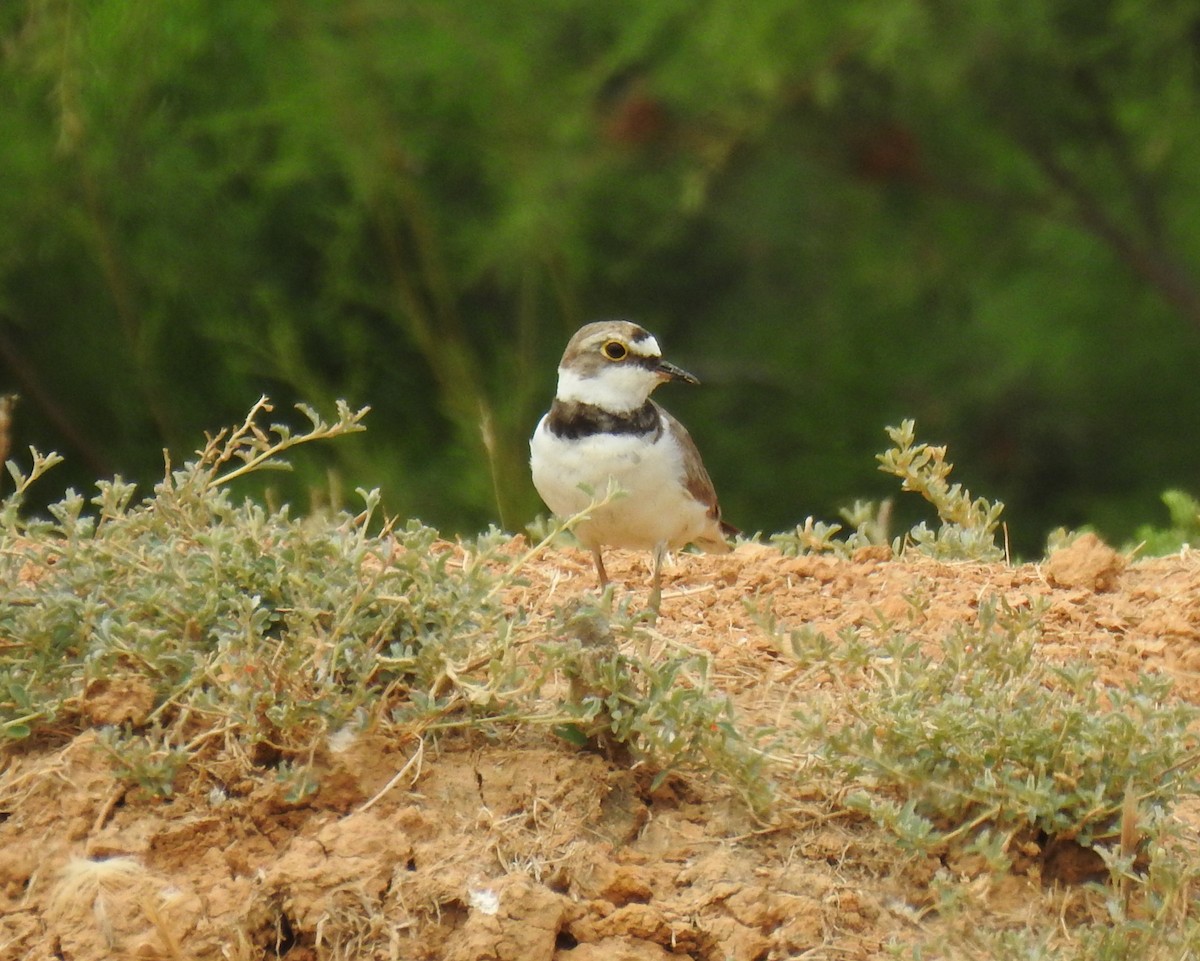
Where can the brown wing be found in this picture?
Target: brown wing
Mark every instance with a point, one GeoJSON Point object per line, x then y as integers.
{"type": "Point", "coordinates": [699, 485]}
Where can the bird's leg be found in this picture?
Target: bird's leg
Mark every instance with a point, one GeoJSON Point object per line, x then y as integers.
{"type": "Point", "coordinates": [656, 589]}
{"type": "Point", "coordinates": [600, 571]}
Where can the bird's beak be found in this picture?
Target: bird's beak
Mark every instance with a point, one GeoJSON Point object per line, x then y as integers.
{"type": "Point", "coordinates": [668, 371]}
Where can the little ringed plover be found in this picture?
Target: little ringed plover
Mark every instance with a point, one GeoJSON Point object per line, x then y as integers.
{"type": "Point", "coordinates": [603, 428]}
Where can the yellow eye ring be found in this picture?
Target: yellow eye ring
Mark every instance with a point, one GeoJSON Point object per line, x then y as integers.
{"type": "Point", "coordinates": [615, 350]}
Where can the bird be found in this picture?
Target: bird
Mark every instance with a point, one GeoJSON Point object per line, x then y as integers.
{"type": "Point", "coordinates": [603, 429]}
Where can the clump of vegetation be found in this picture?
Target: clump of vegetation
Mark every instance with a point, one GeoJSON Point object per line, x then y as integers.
{"type": "Point", "coordinates": [983, 747]}
{"type": "Point", "coordinates": [272, 631]}
{"type": "Point", "coordinates": [968, 526]}
{"type": "Point", "coordinates": [659, 709]}
{"type": "Point", "coordinates": [868, 526]}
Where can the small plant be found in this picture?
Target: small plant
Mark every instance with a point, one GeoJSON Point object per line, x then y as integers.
{"type": "Point", "coordinates": [984, 746]}
{"type": "Point", "coordinates": [145, 759]}
{"type": "Point", "coordinates": [816, 537]}
{"type": "Point", "coordinates": [968, 525]}
{"type": "Point", "coordinates": [869, 523]}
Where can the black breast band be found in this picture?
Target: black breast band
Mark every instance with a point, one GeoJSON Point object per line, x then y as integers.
{"type": "Point", "coordinates": [572, 420]}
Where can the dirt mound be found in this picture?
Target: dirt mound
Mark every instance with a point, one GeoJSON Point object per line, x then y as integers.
{"type": "Point", "coordinates": [470, 848]}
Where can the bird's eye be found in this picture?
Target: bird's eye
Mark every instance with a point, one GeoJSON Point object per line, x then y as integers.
{"type": "Point", "coordinates": [615, 350]}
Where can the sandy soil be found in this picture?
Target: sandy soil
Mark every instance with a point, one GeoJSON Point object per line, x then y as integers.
{"type": "Point", "coordinates": [527, 849]}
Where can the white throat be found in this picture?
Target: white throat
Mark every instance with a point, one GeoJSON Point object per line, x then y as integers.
{"type": "Point", "coordinates": [615, 388]}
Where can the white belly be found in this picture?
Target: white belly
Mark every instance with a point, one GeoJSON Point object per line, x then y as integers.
{"type": "Point", "coordinates": [656, 507]}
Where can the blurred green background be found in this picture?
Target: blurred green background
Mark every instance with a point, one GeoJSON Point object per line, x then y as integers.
{"type": "Point", "coordinates": [984, 216]}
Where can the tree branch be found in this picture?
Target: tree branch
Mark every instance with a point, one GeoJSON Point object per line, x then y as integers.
{"type": "Point", "coordinates": [26, 376]}
{"type": "Point", "coordinates": [1147, 260]}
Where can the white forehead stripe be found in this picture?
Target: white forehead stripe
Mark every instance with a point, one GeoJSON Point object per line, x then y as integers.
{"type": "Point", "coordinates": [647, 348]}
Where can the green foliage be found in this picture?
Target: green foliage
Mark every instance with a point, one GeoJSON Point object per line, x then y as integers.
{"type": "Point", "coordinates": [981, 745]}
{"type": "Point", "coordinates": [1184, 530]}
